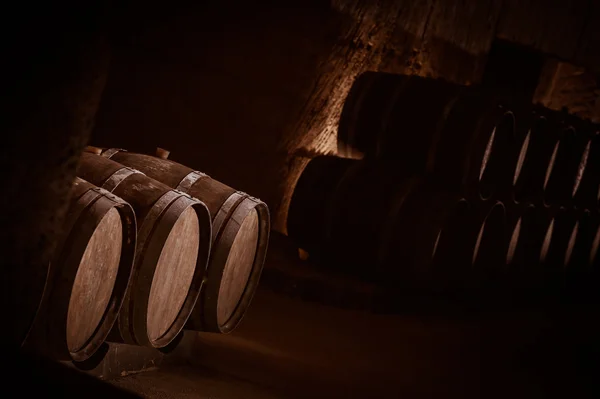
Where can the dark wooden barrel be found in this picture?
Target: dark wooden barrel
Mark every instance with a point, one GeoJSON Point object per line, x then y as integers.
{"type": "Point", "coordinates": [558, 241]}
{"type": "Point", "coordinates": [239, 240]}
{"type": "Point", "coordinates": [595, 252]}
{"type": "Point", "coordinates": [311, 201]}
{"type": "Point", "coordinates": [526, 238]}
{"type": "Point", "coordinates": [534, 156]}
{"type": "Point", "coordinates": [173, 247]}
{"type": "Point", "coordinates": [373, 221]}
{"type": "Point", "coordinates": [489, 252]}
{"type": "Point", "coordinates": [563, 175]}
{"type": "Point", "coordinates": [476, 148]}
{"type": "Point", "coordinates": [587, 194]}
{"type": "Point", "coordinates": [580, 258]}
{"type": "Point", "coordinates": [395, 117]}
{"type": "Point", "coordinates": [89, 275]}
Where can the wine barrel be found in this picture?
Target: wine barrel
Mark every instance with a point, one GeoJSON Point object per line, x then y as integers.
{"type": "Point", "coordinates": [587, 194]}
{"type": "Point", "coordinates": [312, 200]}
{"type": "Point", "coordinates": [595, 252]}
{"type": "Point", "coordinates": [558, 241]}
{"type": "Point", "coordinates": [535, 154]}
{"type": "Point", "coordinates": [563, 175]}
{"type": "Point", "coordinates": [476, 148]}
{"type": "Point", "coordinates": [373, 221]}
{"type": "Point", "coordinates": [173, 247]}
{"type": "Point", "coordinates": [395, 117]}
{"type": "Point", "coordinates": [526, 240]}
{"type": "Point", "coordinates": [580, 258]}
{"type": "Point", "coordinates": [489, 252]}
{"type": "Point", "coordinates": [240, 239]}
{"type": "Point", "coordinates": [89, 275]}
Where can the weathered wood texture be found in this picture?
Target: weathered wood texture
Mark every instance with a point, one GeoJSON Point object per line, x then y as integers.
{"type": "Point", "coordinates": [566, 86]}
{"type": "Point", "coordinates": [95, 280]}
{"type": "Point", "coordinates": [174, 273]}
{"type": "Point", "coordinates": [553, 27]}
{"type": "Point", "coordinates": [458, 37]}
{"type": "Point", "coordinates": [89, 276]}
{"type": "Point", "coordinates": [52, 83]}
{"type": "Point", "coordinates": [238, 267]}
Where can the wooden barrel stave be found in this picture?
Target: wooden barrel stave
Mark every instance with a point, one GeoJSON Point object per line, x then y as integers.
{"type": "Point", "coordinates": [228, 208]}
{"type": "Point", "coordinates": [158, 209]}
{"type": "Point", "coordinates": [67, 330]}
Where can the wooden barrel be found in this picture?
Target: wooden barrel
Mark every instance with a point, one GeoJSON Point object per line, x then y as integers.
{"type": "Point", "coordinates": [587, 194]}
{"type": "Point", "coordinates": [173, 247]}
{"type": "Point", "coordinates": [310, 206]}
{"type": "Point", "coordinates": [535, 153]}
{"type": "Point", "coordinates": [89, 275]}
{"type": "Point", "coordinates": [371, 220]}
{"type": "Point", "coordinates": [580, 258]}
{"type": "Point", "coordinates": [395, 117]}
{"type": "Point", "coordinates": [526, 240]}
{"type": "Point", "coordinates": [558, 241]}
{"type": "Point", "coordinates": [563, 175]}
{"type": "Point", "coordinates": [476, 148]}
{"type": "Point", "coordinates": [489, 252]}
{"type": "Point", "coordinates": [595, 252]}
{"type": "Point", "coordinates": [240, 239]}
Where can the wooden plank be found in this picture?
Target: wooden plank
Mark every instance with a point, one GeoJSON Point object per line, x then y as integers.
{"type": "Point", "coordinates": [552, 26]}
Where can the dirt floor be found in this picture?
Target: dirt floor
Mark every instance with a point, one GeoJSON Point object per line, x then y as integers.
{"type": "Point", "coordinates": [290, 347]}
{"type": "Point", "coordinates": [190, 383]}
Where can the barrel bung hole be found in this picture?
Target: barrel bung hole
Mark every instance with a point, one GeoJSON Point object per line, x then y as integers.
{"type": "Point", "coordinates": [173, 275]}
{"type": "Point", "coordinates": [94, 281]}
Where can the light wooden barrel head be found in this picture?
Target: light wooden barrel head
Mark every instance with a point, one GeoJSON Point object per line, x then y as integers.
{"type": "Point", "coordinates": [174, 272]}
{"type": "Point", "coordinates": [94, 280]}
{"type": "Point", "coordinates": [238, 267]}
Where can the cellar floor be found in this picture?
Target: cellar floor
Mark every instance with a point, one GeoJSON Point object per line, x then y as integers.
{"type": "Point", "coordinates": [288, 347]}
{"type": "Point", "coordinates": [185, 382]}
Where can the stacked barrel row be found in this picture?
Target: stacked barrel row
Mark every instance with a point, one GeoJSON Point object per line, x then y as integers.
{"type": "Point", "coordinates": [449, 178]}
{"type": "Point", "coordinates": [150, 247]}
